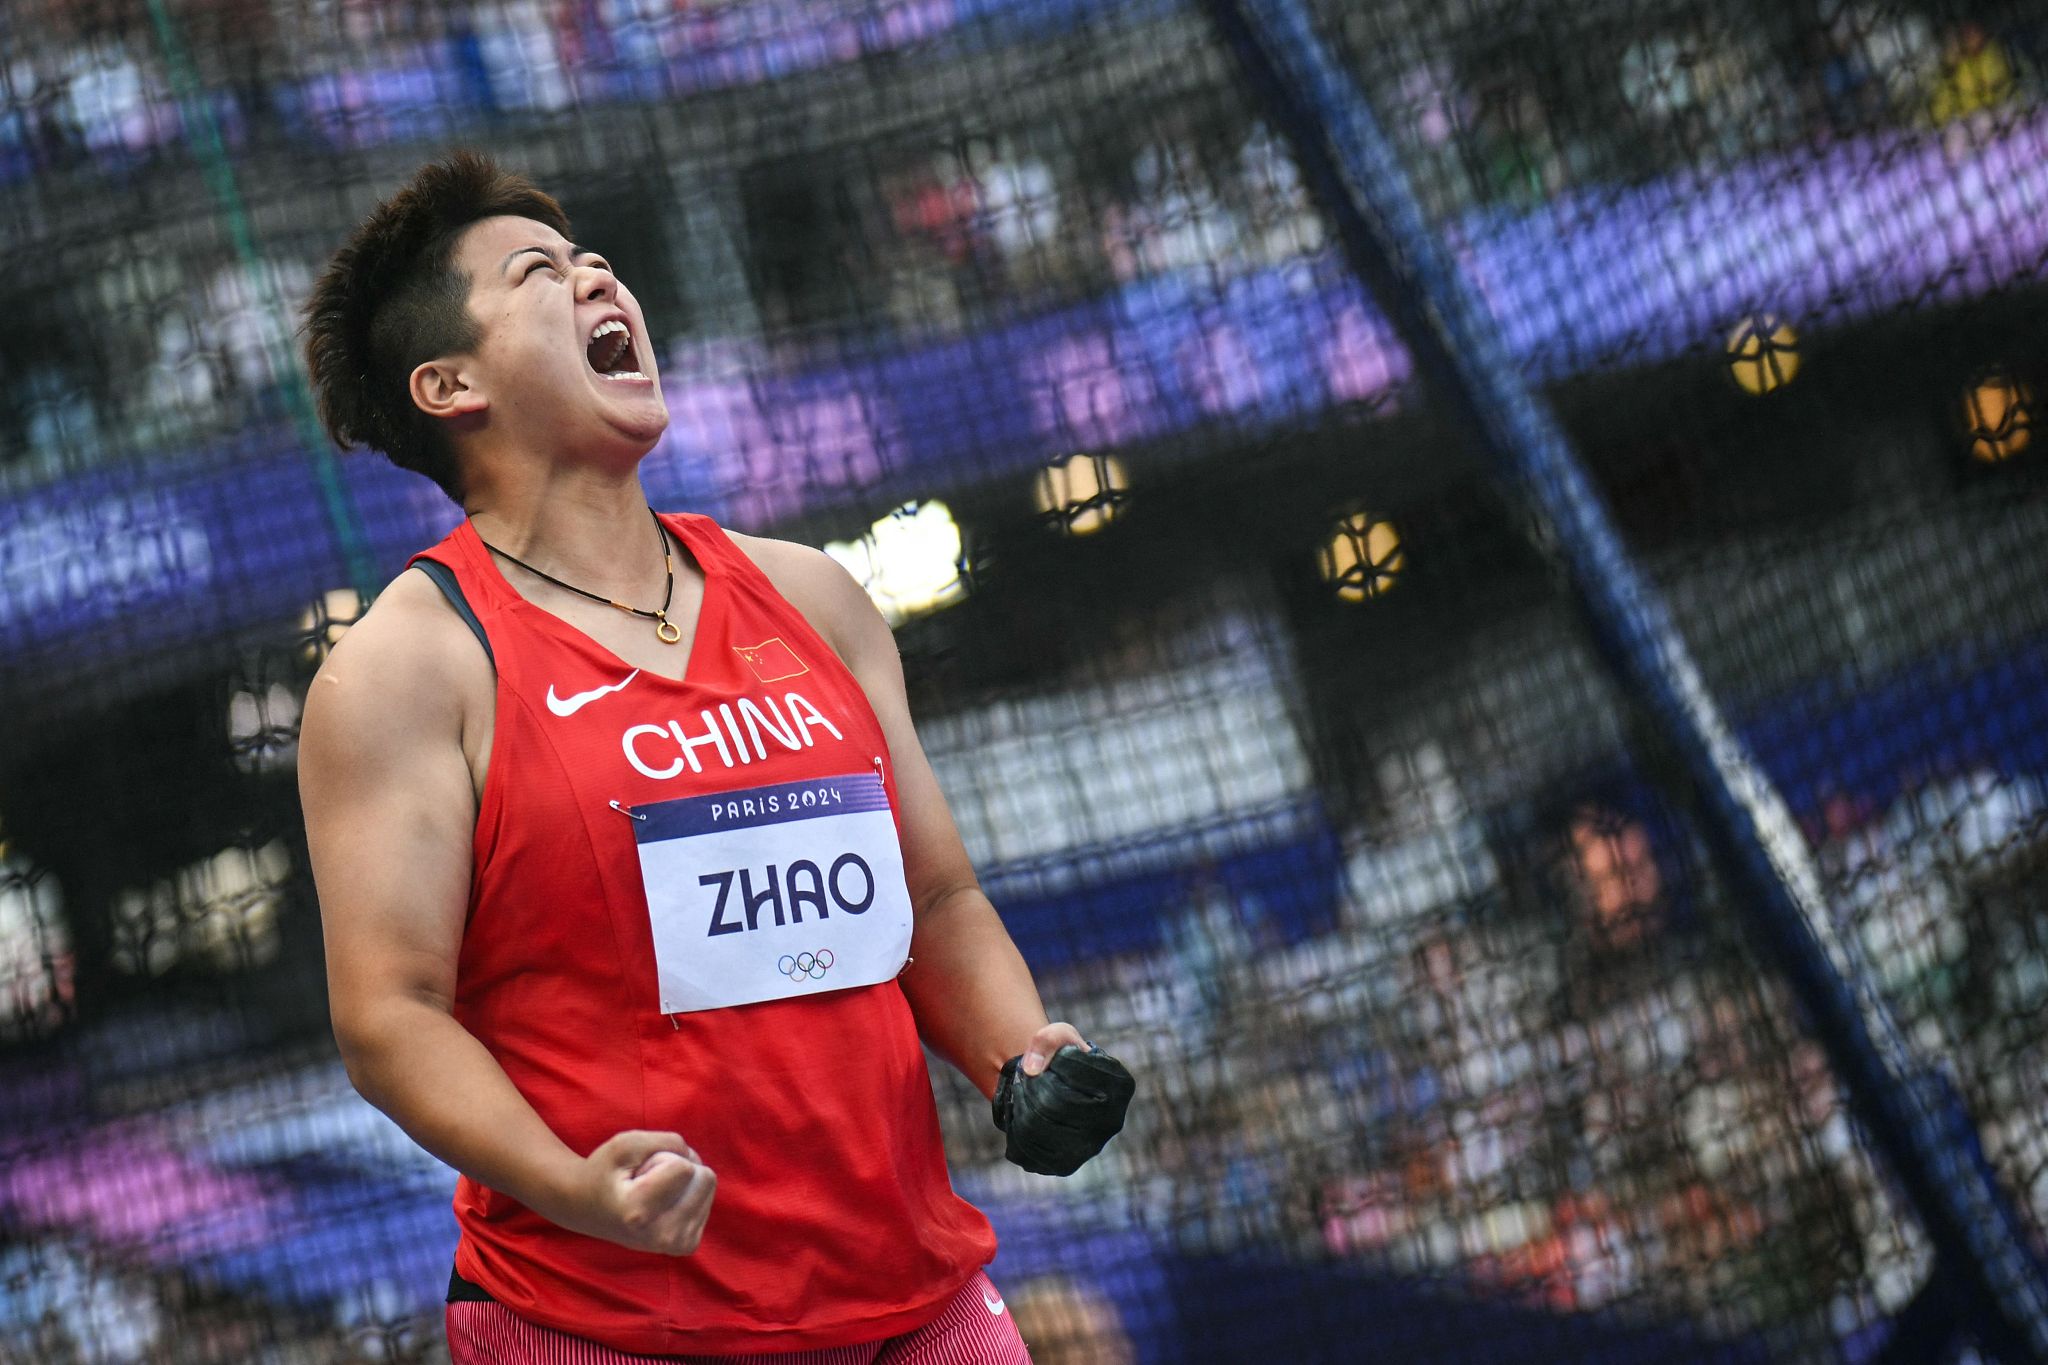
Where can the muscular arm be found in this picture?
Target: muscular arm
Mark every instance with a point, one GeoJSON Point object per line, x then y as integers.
{"type": "Point", "coordinates": [390, 811]}
{"type": "Point", "coordinates": [969, 988]}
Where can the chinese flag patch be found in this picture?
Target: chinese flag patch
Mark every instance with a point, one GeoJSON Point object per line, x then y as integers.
{"type": "Point", "coordinates": [771, 660]}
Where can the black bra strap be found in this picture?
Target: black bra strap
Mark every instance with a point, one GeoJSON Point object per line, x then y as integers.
{"type": "Point", "coordinates": [444, 579]}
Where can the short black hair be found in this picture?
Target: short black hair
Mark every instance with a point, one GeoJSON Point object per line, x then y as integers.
{"type": "Point", "coordinates": [391, 299]}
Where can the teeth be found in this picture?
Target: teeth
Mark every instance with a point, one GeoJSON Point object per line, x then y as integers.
{"type": "Point", "coordinates": [623, 374]}
{"type": "Point", "coordinates": [607, 328]}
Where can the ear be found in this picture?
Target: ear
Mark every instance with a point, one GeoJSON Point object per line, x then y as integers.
{"type": "Point", "coordinates": [440, 388]}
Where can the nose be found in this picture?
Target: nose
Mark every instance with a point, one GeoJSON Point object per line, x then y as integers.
{"type": "Point", "coordinates": [595, 282]}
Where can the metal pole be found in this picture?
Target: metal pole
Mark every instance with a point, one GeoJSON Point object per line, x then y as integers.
{"type": "Point", "coordinates": [212, 156]}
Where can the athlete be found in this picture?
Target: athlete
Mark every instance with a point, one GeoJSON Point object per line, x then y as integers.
{"type": "Point", "coordinates": [638, 891]}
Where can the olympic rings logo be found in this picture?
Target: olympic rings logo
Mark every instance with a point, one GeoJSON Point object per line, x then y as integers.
{"type": "Point", "coordinates": [812, 965]}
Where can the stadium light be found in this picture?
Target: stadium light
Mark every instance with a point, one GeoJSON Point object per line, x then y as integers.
{"type": "Point", "coordinates": [326, 621]}
{"type": "Point", "coordinates": [1081, 494]}
{"type": "Point", "coordinates": [36, 964]}
{"type": "Point", "coordinates": [1763, 354]}
{"type": "Point", "coordinates": [222, 910]}
{"type": "Point", "coordinates": [1999, 412]}
{"type": "Point", "coordinates": [1362, 557]}
{"type": "Point", "coordinates": [909, 561]}
{"type": "Point", "coordinates": [263, 728]}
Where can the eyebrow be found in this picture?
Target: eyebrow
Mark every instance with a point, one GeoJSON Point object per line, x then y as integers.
{"type": "Point", "coordinates": [574, 252]}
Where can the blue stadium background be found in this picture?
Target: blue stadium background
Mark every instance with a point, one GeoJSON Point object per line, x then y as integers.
{"type": "Point", "coordinates": [1280, 748]}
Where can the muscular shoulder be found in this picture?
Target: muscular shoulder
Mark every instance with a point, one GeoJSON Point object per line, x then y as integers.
{"type": "Point", "coordinates": [409, 670]}
{"type": "Point", "coordinates": [822, 590]}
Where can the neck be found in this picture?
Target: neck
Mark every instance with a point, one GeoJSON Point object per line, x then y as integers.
{"type": "Point", "coordinates": [587, 527]}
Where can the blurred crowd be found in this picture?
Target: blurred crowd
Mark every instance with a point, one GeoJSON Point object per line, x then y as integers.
{"type": "Point", "coordinates": [1516, 122]}
{"type": "Point", "coordinates": [907, 237]}
{"type": "Point", "coordinates": [1542, 1063]}
{"type": "Point", "coordinates": [98, 79]}
{"type": "Point", "coordinates": [941, 242]}
{"type": "Point", "coordinates": [65, 1305]}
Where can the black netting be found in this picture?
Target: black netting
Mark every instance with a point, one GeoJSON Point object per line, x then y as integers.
{"type": "Point", "coordinates": [1271, 735]}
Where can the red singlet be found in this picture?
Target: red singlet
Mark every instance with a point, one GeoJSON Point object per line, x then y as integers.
{"type": "Point", "coordinates": [835, 1220]}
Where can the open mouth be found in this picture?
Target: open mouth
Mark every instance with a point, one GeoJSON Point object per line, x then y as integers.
{"type": "Point", "coordinates": [610, 351]}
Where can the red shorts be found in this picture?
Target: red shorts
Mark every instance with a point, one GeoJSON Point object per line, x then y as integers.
{"type": "Point", "coordinates": [974, 1328]}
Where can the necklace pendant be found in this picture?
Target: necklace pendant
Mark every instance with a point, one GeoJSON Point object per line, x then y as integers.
{"type": "Point", "coordinates": [667, 633]}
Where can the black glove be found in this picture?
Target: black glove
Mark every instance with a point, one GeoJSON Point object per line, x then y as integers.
{"type": "Point", "coordinates": [1066, 1113]}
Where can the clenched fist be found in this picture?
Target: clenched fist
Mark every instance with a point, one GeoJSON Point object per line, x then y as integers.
{"type": "Point", "coordinates": [648, 1191]}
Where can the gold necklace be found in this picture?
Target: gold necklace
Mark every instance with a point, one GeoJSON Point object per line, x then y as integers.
{"type": "Point", "coordinates": [665, 630]}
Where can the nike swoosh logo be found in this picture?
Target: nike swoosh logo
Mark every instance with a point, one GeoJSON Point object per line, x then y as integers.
{"type": "Point", "coordinates": [993, 1305]}
{"type": "Point", "coordinates": [569, 706]}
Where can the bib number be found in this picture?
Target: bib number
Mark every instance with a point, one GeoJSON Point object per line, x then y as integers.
{"type": "Point", "coordinates": [791, 889]}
